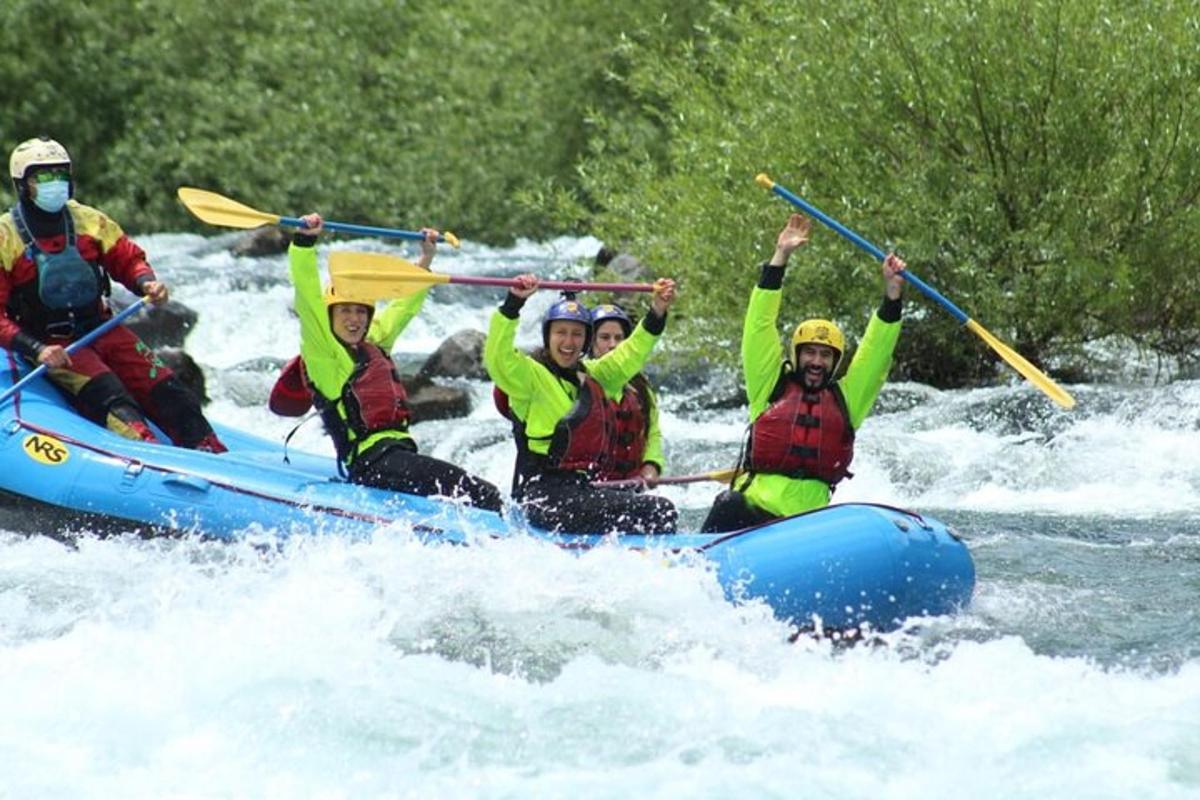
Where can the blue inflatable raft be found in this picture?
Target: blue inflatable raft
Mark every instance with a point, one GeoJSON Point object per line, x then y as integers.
{"type": "Point", "coordinates": [840, 567]}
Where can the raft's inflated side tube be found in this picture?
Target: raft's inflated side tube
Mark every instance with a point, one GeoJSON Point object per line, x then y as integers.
{"type": "Point", "coordinates": [839, 567]}
{"type": "Point", "coordinates": [846, 565]}
{"type": "Point", "coordinates": [50, 454]}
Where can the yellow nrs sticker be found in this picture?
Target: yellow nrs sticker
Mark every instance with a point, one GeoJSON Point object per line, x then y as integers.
{"type": "Point", "coordinates": [45, 449]}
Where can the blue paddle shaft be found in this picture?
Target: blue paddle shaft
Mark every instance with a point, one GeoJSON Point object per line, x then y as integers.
{"type": "Point", "coordinates": [365, 230]}
{"type": "Point", "coordinates": [830, 222]}
{"type": "Point", "coordinates": [82, 341]}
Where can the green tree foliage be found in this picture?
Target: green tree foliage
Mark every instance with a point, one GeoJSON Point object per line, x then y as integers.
{"type": "Point", "coordinates": [376, 111]}
{"type": "Point", "coordinates": [1037, 160]}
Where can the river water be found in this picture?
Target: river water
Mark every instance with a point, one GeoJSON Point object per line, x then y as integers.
{"type": "Point", "coordinates": [388, 669]}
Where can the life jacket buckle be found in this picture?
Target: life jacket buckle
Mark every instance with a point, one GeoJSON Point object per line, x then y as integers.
{"type": "Point", "coordinates": [63, 328]}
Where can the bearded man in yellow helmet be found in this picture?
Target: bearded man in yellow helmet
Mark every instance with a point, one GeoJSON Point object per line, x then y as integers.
{"type": "Point", "coordinates": [802, 420]}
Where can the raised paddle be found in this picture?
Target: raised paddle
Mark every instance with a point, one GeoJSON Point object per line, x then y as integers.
{"type": "Point", "coordinates": [216, 209]}
{"type": "Point", "coordinates": [1014, 359]}
{"type": "Point", "coordinates": [382, 276]}
{"type": "Point", "coordinates": [82, 341]}
{"type": "Point", "coordinates": [720, 476]}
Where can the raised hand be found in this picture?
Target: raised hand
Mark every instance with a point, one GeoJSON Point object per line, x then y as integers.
{"type": "Point", "coordinates": [313, 224]}
{"type": "Point", "coordinates": [524, 285]}
{"type": "Point", "coordinates": [794, 235]}
{"type": "Point", "coordinates": [892, 267]}
{"type": "Point", "coordinates": [428, 246]}
{"type": "Point", "coordinates": [664, 295]}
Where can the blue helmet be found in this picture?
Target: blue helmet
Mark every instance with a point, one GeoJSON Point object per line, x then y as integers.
{"type": "Point", "coordinates": [607, 311]}
{"type": "Point", "coordinates": [571, 310]}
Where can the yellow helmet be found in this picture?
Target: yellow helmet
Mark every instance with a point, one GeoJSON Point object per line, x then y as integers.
{"type": "Point", "coordinates": [820, 331]}
{"type": "Point", "coordinates": [332, 297]}
{"type": "Point", "coordinates": [40, 152]}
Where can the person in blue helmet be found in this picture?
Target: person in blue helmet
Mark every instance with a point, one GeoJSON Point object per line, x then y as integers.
{"type": "Point", "coordinates": [563, 410]}
{"type": "Point", "coordinates": [637, 445]}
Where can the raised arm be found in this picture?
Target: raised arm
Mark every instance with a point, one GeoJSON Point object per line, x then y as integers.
{"type": "Point", "coordinates": [762, 354]}
{"type": "Point", "coordinates": [509, 368]}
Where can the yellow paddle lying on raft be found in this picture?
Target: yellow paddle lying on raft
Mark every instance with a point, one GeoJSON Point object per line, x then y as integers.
{"type": "Point", "coordinates": [384, 277]}
{"type": "Point", "coordinates": [718, 475]}
{"type": "Point", "coordinates": [1014, 359]}
{"type": "Point", "coordinates": [216, 209]}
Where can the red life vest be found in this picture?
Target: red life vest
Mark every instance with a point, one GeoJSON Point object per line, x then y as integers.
{"type": "Point", "coordinates": [373, 397]}
{"type": "Point", "coordinates": [804, 434]}
{"type": "Point", "coordinates": [602, 437]}
{"type": "Point", "coordinates": [291, 396]}
{"type": "Point", "coordinates": [632, 426]}
{"type": "Point", "coordinates": [584, 437]}
{"type": "Point", "coordinates": [372, 400]}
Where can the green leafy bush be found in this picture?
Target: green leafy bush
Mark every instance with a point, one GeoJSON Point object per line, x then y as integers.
{"type": "Point", "coordinates": [1036, 160]}
{"type": "Point", "coordinates": [374, 111]}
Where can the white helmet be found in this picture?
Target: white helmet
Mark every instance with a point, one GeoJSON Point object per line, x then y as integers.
{"type": "Point", "coordinates": [40, 152]}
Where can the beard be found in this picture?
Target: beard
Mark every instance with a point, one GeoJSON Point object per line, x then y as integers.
{"type": "Point", "coordinates": [815, 377]}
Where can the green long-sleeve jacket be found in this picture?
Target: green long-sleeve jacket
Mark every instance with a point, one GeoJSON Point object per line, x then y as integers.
{"type": "Point", "coordinates": [539, 397]}
{"type": "Point", "coordinates": [328, 362]}
{"type": "Point", "coordinates": [654, 446]}
{"type": "Point", "coordinates": [762, 360]}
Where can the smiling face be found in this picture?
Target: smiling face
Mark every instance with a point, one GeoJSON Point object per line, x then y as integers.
{"type": "Point", "coordinates": [814, 363]}
{"type": "Point", "coordinates": [565, 340]}
{"type": "Point", "coordinates": [349, 321]}
{"type": "Point", "coordinates": [608, 334]}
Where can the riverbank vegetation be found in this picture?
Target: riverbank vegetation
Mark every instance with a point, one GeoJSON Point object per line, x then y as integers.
{"type": "Point", "coordinates": [1039, 162]}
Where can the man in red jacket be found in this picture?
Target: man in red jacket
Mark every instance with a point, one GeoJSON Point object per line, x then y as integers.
{"type": "Point", "coordinates": [57, 261]}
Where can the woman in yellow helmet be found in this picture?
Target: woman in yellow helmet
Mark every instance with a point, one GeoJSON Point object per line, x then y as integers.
{"type": "Point", "coordinates": [802, 420]}
{"type": "Point", "coordinates": [346, 364]}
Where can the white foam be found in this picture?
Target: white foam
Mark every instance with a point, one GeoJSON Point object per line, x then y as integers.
{"type": "Point", "coordinates": [340, 669]}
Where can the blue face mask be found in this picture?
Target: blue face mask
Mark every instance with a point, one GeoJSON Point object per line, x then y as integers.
{"type": "Point", "coordinates": [52, 195]}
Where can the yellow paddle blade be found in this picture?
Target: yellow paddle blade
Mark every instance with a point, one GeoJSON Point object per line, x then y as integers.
{"type": "Point", "coordinates": [1018, 362]}
{"type": "Point", "coordinates": [378, 275]}
{"type": "Point", "coordinates": [216, 209]}
{"type": "Point", "coordinates": [721, 475]}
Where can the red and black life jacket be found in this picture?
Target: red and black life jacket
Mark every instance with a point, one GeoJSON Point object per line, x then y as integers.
{"type": "Point", "coordinates": [803, 434]}
{"type": "Point", "coordinates": [632, 429]}
{"type": "Point", "coordinates": [604, 438]}
{"type": "Point", "coordinates": [372, 399]}
{"type": "Point", "coordinates": [583, 439]}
